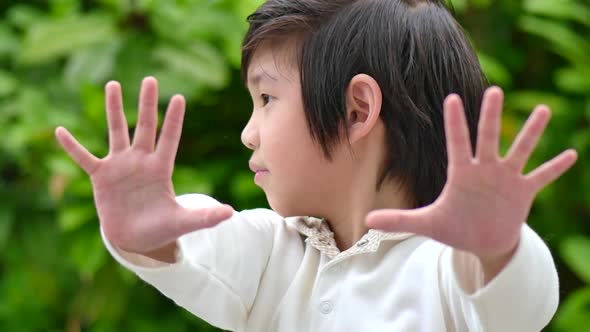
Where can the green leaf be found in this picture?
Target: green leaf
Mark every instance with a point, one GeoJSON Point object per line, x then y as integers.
{"type": "Point", "coordinates": [29, 124]}
{"type": "Point", "coordinates": [104, 298]}
{"type": "Point", "coordinates": [482, 3]}
{"type": "Point", "coordinates": [243, 187]}
{"type": "Point", "coordinates": [187, 180]}
{"type": "Point", "coordinates": [574, 313]}
{"type": "Point", "coordinates": [92, 65]}
{"type": "Point", "coordinates": [25, 283]}
{"type": "Point", "coordinates": [9, 42]}
{"type": "Point", "coordinates": [81, 186]}
{"type": "Point", "coordinates": [22, 16]}
{"type": "Point", "coordinates": [581, 140]}
{"type": "Point", "coordinates": [204, 23]}
{"type": "Point", "coordinates": [247, 7]}
{"type": "Point", "coordinates": [71, 218]}
{"type": "Point", "coordinates": [134, 62]}
{"type": "Point", "coordinates": [458, 5]}
{"type": "Point", "coordinates": [120, 7]}
{"type": "Point", "coordinates": [564, 9]}
{"type": "Point", "coordinates": [88, 253]}
{"type": "Point", "coordinates": [196, 22]}
{"type": "Point", "coordinates": [525, 101]}
{"type": "Point", "coordinates": [93, 100]}
{"type": "Point", "coordinates": [64, 7]}
{"type": "Point", "coordinates": [563, 40]}
{"type": "Point", "coordinates": [495, 70]}
{"type": "Point", "coordinates": [574, 80]}
{"type": "Point", "coordinates": [50, 39]}
{"type": "Point", "coordinates": [575, 250]}
{"type": "Point", "coordinates": [8, 84]}
{"type": "Point", "coordinates": [199, 62]}
{"type": "Point", "coordinates": [7, 217]}
{"type": "Point", "coordinates": [172, 83]}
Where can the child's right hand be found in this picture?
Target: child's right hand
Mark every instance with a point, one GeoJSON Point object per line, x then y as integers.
{"type": "Point", "coordinates": [132, 185]}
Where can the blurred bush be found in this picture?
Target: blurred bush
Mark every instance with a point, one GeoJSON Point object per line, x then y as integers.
{"type": "Point", "coordinates": [56, 56]}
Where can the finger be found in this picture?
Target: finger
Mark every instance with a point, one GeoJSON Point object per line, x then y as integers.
{"type": "Point", "coordinates": [118, 129]}
{"type": "Point", "coordinates": [190, 220]}
{"type": "Point", "coordinates": [171, 129]}
{"type": "Point", "coordinates": [527, 139]}
{"type": "Point", "coordinates": [457, 133]}
{"type": "Point", "coordinates": [79, 154]}
{"type": "Point", "coordinates": [405, 221]}
{"type": "Point", "coordinates": [147, 122]}
{"type": "Point", "coordinates": [552, 170]}
{"type": "Point", "coordinates": [488, 142]}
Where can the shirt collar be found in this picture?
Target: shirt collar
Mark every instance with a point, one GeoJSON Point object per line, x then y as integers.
{"type": "Point", "coordinates": [320, 236]}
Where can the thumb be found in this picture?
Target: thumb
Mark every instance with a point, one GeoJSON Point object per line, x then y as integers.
{"type": "Point", "coordinates": [191, 220]}
{"type": "Point", "coordinates": [415, 221]}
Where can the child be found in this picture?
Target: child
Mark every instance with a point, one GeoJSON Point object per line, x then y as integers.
{"type": "Point", "coordinates": [347, 127]}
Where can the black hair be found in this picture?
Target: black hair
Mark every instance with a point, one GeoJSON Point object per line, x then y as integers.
{"type": "Point", "coordinates": [414, 49]}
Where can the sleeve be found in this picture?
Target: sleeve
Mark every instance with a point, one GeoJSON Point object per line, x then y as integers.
{"type": "Point", "coordinates": [218, 271]}
{"type": "Point", "coordinates": [523, 297]}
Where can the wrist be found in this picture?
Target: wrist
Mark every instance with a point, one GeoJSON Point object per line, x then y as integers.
{"type": "Point", "coordinates": [493, 265]}
{"type": "Point", "coordinates": [166, 254]}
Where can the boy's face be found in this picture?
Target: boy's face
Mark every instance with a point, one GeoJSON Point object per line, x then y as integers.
{"type": "Point", "coordinates": [299, 180]}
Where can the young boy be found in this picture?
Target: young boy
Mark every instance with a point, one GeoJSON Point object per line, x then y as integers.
{"type": "Point", "coordinates": [347, 127]}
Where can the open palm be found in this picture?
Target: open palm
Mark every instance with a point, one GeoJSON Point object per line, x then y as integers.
{"type": "Point", "coordinates": [132, 185]}
{"type": "Point", "coordinates": [486, 198]}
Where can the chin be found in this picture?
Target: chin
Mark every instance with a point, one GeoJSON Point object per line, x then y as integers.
{"type": "Point", "coordinates": [288, 208]}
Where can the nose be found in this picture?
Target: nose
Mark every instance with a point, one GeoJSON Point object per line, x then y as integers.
{"type": "Point", "coordinates": [250, 137]}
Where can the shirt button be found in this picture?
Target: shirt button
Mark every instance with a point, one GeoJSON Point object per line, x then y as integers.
{"type": "Point", "coordinates": [362, 243]}
{"type": "Point", "coordinates": [326, 307]}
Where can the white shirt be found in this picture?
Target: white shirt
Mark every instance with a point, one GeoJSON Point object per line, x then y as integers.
{"type": "Point", "coordinates": [260, 272]}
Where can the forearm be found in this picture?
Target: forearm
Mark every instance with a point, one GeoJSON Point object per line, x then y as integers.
{"type": "Point", "coordinates": [522, 287]}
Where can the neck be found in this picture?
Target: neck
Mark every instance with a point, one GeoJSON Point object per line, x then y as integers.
{"type": "Point", "coordinates": [348, 224]}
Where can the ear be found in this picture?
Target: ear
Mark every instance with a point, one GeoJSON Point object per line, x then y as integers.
{"type": "Point", "coordinates": [363, 105]}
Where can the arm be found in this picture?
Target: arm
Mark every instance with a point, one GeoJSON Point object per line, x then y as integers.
{"type": "Point", "coordinates": [487, 199]}
{"type": "Point", "coordinates": [140, 215]}
{"type": "Point", "coordinates": [523, 296]}
{"type": "Point", "coordinates": [217, 271]}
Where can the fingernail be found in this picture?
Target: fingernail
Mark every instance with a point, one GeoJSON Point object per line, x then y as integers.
{"type": "Point", "coordinates": [223, 210]}
{"type": "Point", "coordinates": [112, 83]}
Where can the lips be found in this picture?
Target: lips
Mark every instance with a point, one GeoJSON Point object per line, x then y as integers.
{"type": "Point", "coordinates": [257, 168]}
{"type": "Point", "coordinates": [261, 172]}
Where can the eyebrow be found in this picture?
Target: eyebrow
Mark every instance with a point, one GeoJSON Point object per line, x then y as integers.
{"type": "Point", "coordinates": [255, 79]}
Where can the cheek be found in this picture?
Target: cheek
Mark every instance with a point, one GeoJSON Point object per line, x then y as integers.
{"type": "Point", "coordinates": [285, 137]}
{"type": "Point", "coordinates": [299, 165]}
{"type": "Point", "coordinates": [289, 152]}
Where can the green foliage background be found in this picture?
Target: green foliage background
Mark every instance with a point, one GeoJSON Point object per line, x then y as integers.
{"type": "Point", "coordinates": [56, 56]}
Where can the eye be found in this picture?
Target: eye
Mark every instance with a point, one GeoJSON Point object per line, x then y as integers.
{"type": "Point", "coordinates": [265, 99]}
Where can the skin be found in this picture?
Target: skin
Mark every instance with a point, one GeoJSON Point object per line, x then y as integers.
{"type": "Point", "coordinates": [300, 181]}
{"type": "Point", "coordinates": [488, 202]}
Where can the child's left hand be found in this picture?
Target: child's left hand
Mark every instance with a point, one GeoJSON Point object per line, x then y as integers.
{"type": "Point", "coordinates": [486, 198]}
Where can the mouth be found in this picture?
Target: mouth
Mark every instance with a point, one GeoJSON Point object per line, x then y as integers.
{"type": "Point", "coordinates": [260, 176]}
{"type": "Point", "coordinates": [260, 172]}
{"type": "Point", "coordinates": [257, 168]}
